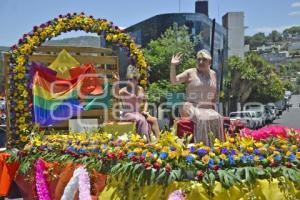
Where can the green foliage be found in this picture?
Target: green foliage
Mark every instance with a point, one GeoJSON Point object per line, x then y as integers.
{"type": "Point", "coordinates": [252, 78]}
{"type": "Point", "coordinates": [292, 30]}
{"type": "Point", "coordinates": [159, 52]}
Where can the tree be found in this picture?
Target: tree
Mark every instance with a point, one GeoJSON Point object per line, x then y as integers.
{"type": "Point", "coordinates": [158, 53]}
{"type": "Point", "coordinates": [275, 36]}
{"type": "Point", "coordinates": [251, 79]}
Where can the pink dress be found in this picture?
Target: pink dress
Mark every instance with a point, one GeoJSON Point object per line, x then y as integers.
{"type": "Point", "coordinates": [131, 105]}
{"type": "Point", "coordinates": [200, 98]}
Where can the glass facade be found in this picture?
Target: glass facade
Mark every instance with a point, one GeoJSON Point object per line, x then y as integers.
{"type": "Point", "coordinates": [200, 28]}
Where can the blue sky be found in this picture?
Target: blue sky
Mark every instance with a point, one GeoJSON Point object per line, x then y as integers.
{"type": "Point", "coordinates": [19, 16]}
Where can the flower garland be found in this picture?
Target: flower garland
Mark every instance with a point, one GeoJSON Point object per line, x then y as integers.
{"type": "Point", "coordinates": [41, 184]}
{"type": "Point", "coordinates": [80, 180]}
{"type": "Point", "coordinates": [20, 113]}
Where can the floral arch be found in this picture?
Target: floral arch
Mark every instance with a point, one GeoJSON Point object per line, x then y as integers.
{"type": "Point", "coordinates": [20, 117]}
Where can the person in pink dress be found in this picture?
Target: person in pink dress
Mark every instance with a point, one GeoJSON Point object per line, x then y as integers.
{"type": "Point", "coordinates": [201, 94]}
{"type": "Point", "coordinates": [133, 99]}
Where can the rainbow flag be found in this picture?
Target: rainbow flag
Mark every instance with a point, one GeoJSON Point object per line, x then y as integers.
{"type": "Point", "coordinates": [56, 99]}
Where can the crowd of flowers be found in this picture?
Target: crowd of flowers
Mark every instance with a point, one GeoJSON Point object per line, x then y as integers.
{"type": "Point", "coordinates": [170, 159]}
{"type": "Point", "coordinates": [20, 113]}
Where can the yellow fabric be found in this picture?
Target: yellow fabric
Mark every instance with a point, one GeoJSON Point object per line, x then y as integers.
{"type": "Point", "coordinates": [264, 190]}
{"type": "Point", "coordinates": [63, 63]}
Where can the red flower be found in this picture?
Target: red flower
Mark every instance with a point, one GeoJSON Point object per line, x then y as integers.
{"type": "Point", "coordinates": [147, 165]}
{"type": "Point", "coordinates": [168, 168]}
{"type": "Point", "coordinates": [142, 159]}
{"type": "Point", "coordinates": [156, 165]}
{"type": "Point", "coordinates": [111, 156]}
{"type": "Point", "coordinates": [199, 174]}
{"type": "Point", "coordinates": [289, 164]}
{"type": "Point", "coordinates": [273, 164]}
{"type": "Point", "coordinates": [135, 158]}
{"type": "Point", "coordinates": [121, 155]}
{"type": "Point", "coordinates": [215, 167]}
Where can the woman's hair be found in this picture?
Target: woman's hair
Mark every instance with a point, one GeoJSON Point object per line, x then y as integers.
{"type": "Point", "coordinates": [132, 72]}
{"type": "Point", "coordinates": [204, 54]}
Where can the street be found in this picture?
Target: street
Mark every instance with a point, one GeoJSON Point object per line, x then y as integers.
{"type": "Point", "coordinates": [291, 117]}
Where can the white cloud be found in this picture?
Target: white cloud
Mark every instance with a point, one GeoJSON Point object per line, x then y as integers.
{"type": "Point", "coordinates": [295, 4]}
{"type": "Point", "coordinates": [294, 13]}
{"type": "Point", "coordinates": [269, 29]}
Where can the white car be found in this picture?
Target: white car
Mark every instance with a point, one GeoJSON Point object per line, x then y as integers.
{"type": "Point", "coordinates": [257, 118]}
{"type": "Point", "coordinates": [245, 117]}
{"type": "Point", "coordinates": [254, 106]}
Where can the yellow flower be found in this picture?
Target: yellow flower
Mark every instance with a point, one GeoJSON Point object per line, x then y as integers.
{"type": "Point", "coordinates": [185, 153]}
{"type": "Point", "coordinates": [138, 150]}
{"type": "Point", "coordinates": [270, 158]}
{"type": "Point", "coordinates": [211, 154]}
{"type": "Point", "coordinates": [205, 159]}
{"type": "Point", "coordinates": [284, 147]}
{"type": "Point", "coordinates": [250, 149]}
{"type": "Point", "coordinates": [256, 158]}
{"type": "Point", "coordinates": [276, 152]}
{"type": "Point", "coordinates": [20, 75]}
{"type": "Point", "coordinates": [223, 156]}
{"type": "Point", "coordinates": [159, 161]}
{"type": "Point", "coordinates": [20, 107]}
{"type": "Point", "coordinates": [20, 60]}
{"type": "Point", "coordinates": [294, 147]}
{"type": "Point", "coordinates": [22, 119]}
{"type": "Point", "coordinates": [272, 148]}
{"type": "Point", "coordinates": [263, 150]}
{"type": "Point", "coordinates": [247, 141]}
{"type": "Point", "coordinates": [172, 154]}
{"type": "Point", "coordinates": [258, 144]}
{"type": "Point", "coordinates": [135, 137]}
{"type": "Point", "coordinates": [23, 138]}
{"type": "Point", "coordinates": [298, 155]}
{"type": "Point", "coordinates": [288, 153]}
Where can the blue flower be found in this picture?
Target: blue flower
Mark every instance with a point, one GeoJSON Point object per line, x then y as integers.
{"type": "Point", "coordinates": [189, 158]}
{"type": "Point", "coordinates": [173, 148]}
{"type": "Point", "coordinates": [70, 149]}
{"type": "Point", "coordinates": [250, 158]}
{"type": "Point", "coordinates": [233, 152]}
{"type": "Point", "coordinates": [163, 155]}
{"type": "Point", "coordinates": [243, 159]}
{"type": "Point", "coordinates": [144, 154]}
{"type": "Point", "coordinates": [130, 154]}
{"type": "Point", "coordinates": [261, 157]}
{"type": "Point", "coordinates": [211, 162]}
{"type": "Point", "coordinates": [256, 151]}
{"type": "Point", "coordinates": [201, 152]}
{"type": "Point", "coordinates": [81, 151]}
{"type": "Point", "coordinates": [278, 157]}
{"type": "Point", "coordinates": [231, 160]}
{"type": "Point", "coordinates": [192, 149]}
{"type": "Point", "coordinates": [224, 150]}
{"type": "Point", "coordinates": [292, 157]}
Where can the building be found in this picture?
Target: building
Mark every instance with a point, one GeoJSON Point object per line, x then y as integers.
{"type": "Point", "coordinates": [2, 78]}
{"type": "Point", "coordinates": [199, 25]}
{"type": "Point", "coordinates": [234, 23]}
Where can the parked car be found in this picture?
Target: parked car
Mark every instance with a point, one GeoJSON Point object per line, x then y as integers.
{"type": "Point", "coordinates": [273, 108]}
{"type": "Point", "coordinates": [269, 118]}
{"type": "Point", "coordinates": [259, 107]}
{"type": "Point", "coordinates": [257, 119]}
{"type": "Point", "coordinates": [243, 116]}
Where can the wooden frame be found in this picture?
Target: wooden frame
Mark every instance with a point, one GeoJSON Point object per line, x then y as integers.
{"type": "Point", "coordinates": [103, 59]}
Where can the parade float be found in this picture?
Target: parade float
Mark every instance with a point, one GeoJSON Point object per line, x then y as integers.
{"type": "Point", "coordinates": [48, 163]}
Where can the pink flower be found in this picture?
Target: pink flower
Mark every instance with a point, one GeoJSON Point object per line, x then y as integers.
{"type": "Point", "coordinates": [177, 195]}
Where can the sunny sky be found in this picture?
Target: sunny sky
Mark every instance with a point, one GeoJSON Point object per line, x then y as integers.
{"type": "Point", "coordinates": [19, 16]}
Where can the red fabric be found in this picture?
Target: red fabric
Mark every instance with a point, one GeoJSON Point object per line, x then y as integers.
{"type": "Point", "coordinates": [7, 173]}
{"type": "Point", "coordinates": [184, 126]}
